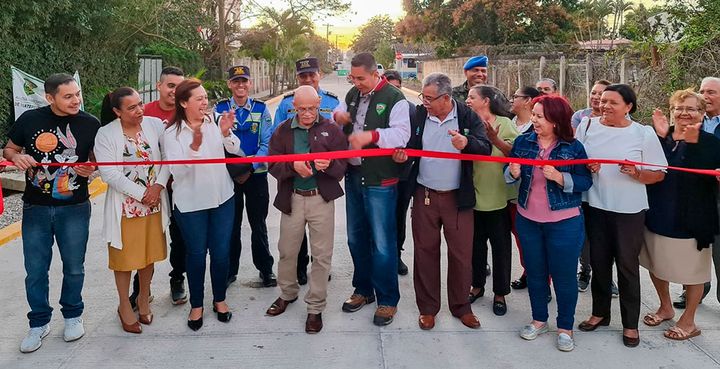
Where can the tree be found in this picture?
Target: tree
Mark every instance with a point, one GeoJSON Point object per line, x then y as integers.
{"type": "Point", "coordinates": [100, 39]}
{"type": "Point", "coordinates": [455, 23]}
{"type": "Point", "coordinates": [384, 54]}
{"type": "Point", "coordinates": [378, 29]}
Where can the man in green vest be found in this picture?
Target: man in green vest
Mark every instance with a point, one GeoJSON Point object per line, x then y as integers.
{"type": "Point", "coordinates": [373, 114]}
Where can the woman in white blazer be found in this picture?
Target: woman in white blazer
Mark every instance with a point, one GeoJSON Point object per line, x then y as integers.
{"type": "Point", "coordinates": [136, 213]}
{"type": "Point", "coordinates": [203, 202]}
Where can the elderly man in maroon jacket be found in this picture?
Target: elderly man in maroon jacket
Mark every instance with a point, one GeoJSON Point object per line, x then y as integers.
{"type": "Point", "coordinates": [306, 195]}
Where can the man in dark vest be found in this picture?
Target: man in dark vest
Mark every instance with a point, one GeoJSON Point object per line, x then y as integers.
{"type": "Point", "coordinates": [373, 114]}
{"type": "Point", "coordinates": [253, 126]}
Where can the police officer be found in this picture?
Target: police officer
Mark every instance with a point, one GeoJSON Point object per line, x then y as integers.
{"type": "Point", "coordinates": [253, 126]}
{"type": "Point", "coordinates": [308, 73]}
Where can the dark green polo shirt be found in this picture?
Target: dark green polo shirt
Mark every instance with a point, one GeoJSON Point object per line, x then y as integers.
{"type": "Point", "coordinates": [301, 145]}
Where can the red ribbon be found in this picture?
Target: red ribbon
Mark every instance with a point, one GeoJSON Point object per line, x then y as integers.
{"type": "Point", "coordinates": [346, 154]}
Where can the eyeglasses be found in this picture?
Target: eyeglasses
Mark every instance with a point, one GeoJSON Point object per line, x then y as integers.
{"type": "Point", "coordinates": [305, 110]}
{"type": "Point", "coordinates": [686, 109]}
{"type": "Point", "coordinates": [519, 96]}
{"type": "Point", "coordinates": [429, 99]}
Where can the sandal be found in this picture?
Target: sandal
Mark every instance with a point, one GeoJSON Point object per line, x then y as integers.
{"type": "Point", "coordinates": [678, 334]}
{"type": "Point", "coordinates": [653, 320]}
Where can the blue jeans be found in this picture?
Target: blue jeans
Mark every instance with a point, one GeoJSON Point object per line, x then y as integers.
{"type": "Point", "coordinates": [42, 226]}
{"type": "Point", "coordinates": [204, 230]}
{"type": "Point", "coordinates": [552, 249]}
{"type": "Point", "coordinates": [372, 238]}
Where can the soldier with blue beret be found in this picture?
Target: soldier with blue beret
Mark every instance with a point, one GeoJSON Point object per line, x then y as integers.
{"type": "Point", "coordinates": [476, 72]}
{"type": "Point", "coordinates": [254, 127]}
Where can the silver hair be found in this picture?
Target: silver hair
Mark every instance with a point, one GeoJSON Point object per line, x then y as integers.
{"type": "Point", "coordinates": [710, 79]}
{"type": "Point", "coordinates": [439, 80]}
{"type": "Point", "coordinates": [552, 82]}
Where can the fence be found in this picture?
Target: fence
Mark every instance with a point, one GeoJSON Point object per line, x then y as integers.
{"type": "Point", "coordinates": [574, 75]}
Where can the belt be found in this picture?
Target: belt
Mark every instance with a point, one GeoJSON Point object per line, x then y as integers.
{"type": "Point", "coordinates": [307, 193]}
{"type": "Point", "coordinates": [438, 191]}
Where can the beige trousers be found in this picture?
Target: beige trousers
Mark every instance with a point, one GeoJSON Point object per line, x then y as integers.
{"type": "Point", "coordinates": [319, 215]}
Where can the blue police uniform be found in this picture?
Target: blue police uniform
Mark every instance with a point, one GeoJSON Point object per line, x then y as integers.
{"type": "Point", "coordinates": [253, 126]}
{"type": "Point", "coordinates": [286, 110]}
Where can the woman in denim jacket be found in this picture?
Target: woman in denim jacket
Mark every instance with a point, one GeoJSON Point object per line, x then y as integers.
{"type": "Point", "coordinates": [549, 221]}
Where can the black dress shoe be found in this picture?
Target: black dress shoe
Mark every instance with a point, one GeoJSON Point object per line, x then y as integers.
{"type": "Point", "coordinates": [402, 268]}
{"type": "Point", "coordinates": [473, 297]}
{"type": "Point", "coordinates": [302, 277]}
{"type": "Point", "coordinates": [587, 327]}
{"type": "Point", "coordinates": [520, 283]}
{"type": "Point", "coordinates": [630, 341]}
{"type": "Point", "coordinates": [499, 307]}
{"type": "Point", "coordinates": [195, 324]}
{"type": "Point", "coordinates": [268, 279]}
{"type": "Point", "coordinates": [223, 317]}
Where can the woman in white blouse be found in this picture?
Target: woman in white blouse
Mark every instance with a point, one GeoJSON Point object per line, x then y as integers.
{"type": "Point", "coordinates": [618, 201]}
{"type": "Point", "coordinates": [136, 212]}
{"type": "Point", "coordinates": [202, 194]}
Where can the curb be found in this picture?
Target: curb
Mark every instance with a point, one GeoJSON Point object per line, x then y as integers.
{"type": "Point", "coordinates": [95, 188]}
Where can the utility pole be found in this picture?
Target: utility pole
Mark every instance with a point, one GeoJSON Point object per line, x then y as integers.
{"type": "Point", "coordinates": [327, 32]}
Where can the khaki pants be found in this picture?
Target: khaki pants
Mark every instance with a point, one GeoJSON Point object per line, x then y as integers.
{"type": "Point", "coordinates": [320, 218]}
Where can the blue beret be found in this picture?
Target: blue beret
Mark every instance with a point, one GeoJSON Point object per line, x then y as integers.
{"type": "Point", "coordinates": [476, 61]}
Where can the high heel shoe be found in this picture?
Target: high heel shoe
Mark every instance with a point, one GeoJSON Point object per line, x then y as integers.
{"type": "Point", "coordinates": [588, 327]}
{"type": "Point", "coordinates": [196, 324]}
{"type": "Point", "coordinates": [145, 318]}
{"type": "Point", "coordinates": [130, 328]}
{"type": "Point", "coordinates": [223, 317]}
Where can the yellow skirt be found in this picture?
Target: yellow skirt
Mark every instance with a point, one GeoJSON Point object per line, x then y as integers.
{"type": "Point", "coordinates": [143, 244]}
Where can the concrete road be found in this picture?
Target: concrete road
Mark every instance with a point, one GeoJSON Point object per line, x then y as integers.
{"type": "Point", "coordinates": [253, 340]}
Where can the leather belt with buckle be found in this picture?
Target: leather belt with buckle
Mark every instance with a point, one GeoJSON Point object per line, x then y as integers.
{"type": "Point", "coordinates": [306, 193]}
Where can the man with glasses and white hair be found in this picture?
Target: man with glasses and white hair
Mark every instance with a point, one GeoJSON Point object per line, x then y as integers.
{"type": "Point", "coordinates": [444, 196]}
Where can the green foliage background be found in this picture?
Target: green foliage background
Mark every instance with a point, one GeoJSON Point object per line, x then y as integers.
{"type": "Point", "coordinates": [100, 39]}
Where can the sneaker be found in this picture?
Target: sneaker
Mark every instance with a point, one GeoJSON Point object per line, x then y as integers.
{"type": "Point", "coordinates": [565, 342]}
{"type": "Point", "coordinates": [614, 289]}
{"type": "Point", "coordinates": [384, 315]}
{"type": "Point", "coordinates": [583, 281]}
{"type": "Point", "coordinates": [74, 329]}
{"type": "Point", "coordinates": [402, 268]}
{"type": "Point", "coordinates": [268, 279]}
{"type": "Point", "coordinates": [177, 291]}
{"type": "Point", "coordinates": [33, 340]}
{"type": "Point", "coordinates": [356, 302]}
{"type": "Point", "coordinates": [530, 332]}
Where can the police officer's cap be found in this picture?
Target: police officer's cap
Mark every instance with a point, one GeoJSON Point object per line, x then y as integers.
{"type": "Point", "coordinates": [238, 71]}
{"type": "Point", "coordinates": [307, 65]}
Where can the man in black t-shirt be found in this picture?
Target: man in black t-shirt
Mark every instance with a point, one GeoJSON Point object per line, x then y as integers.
{"type": "Point", "coordinates": [55, 202]}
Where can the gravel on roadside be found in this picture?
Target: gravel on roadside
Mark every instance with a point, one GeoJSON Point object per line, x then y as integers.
{"type": "Point", "coordinates": [13, 208]}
